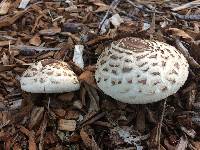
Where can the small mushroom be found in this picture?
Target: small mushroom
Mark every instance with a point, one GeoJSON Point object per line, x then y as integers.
{"type": "Point", "coordinates": [49, 76]}
{"type": "Point", "coordinates": [139, 71]}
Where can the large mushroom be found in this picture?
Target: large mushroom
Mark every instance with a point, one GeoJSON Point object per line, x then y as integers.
{"type": "Point", "coordinates": [49, 76]}
{"type": "Point", "coordinates": [139, 71]}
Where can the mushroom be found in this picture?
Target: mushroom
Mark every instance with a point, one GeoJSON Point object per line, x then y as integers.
{"type": "Point", "coordinates": [49, 76]}
{"type": "Point", "coordinates": [137, 71]}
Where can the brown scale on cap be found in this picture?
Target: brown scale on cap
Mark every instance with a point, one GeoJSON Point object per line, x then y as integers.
{"type": "Point", "coordinates": [126, 69]}
{"type": "Point", "coordinates": [132, 44]}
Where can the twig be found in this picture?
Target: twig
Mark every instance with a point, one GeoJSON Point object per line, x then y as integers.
{"type": "Point", "coordinates": [152, 28]}
{"type": "Point", "coordinates": [35, 48]}
{"type": "Point", "coordinates": [48, 106]}
{"type": "Point", "coordinates": [141, 7]}
{"type": "Point", "coordinates": [112, 7]}
{"type": "Point", "coordinates": [160, 123]}
{"type": "Point", "coordinates": [4, 124]}
{"type": "Point", "coordinates": [92, 119]}
{"type": "Point", "coordinates": [185, 52]}
{"type": "Point", "coordinates": [187, 17]}
{"type": "Point", "coordinates": [7, 37]}
{"type": "Point", "coordinates": [187, 5]}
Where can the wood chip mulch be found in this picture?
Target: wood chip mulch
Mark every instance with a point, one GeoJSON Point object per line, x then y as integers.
{"type": "Point", "coordinates": [32, 30]}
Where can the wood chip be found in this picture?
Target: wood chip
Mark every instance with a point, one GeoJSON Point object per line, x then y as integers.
{"type": "Point", "coordinates": [4, 7]}
{"type": "Point", "coordinates": [66, 125]}
{"type": "Point", "coordinates": [35, 40]}
{"type": "Point", "coordinates": [36, 116]}
{"type": "Point", "coordinates": [51, 31]}
{"type": "Point", "coordinates": [88, 140]}
{"type": "Point", "coordinates": [23, 4]}
{"type": "Point", "coordinates": [88, 77]}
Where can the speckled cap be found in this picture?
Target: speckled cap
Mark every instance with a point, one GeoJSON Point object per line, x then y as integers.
{"type": "Point", "coordinates": [139, 71]}
{"type": "Point", "coordinates": [49, 76]}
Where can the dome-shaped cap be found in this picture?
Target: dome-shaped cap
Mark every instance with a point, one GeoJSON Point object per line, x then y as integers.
{"type": "Point", "coordinates": [49, 76]}
{"type": "Point", "coordinates": [139, 71]}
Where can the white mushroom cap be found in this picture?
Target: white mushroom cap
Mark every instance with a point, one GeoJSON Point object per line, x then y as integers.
{"type": "Point", "coordinates": [140, 71]}
{"type": "Point", "coordinates": [49, 76]}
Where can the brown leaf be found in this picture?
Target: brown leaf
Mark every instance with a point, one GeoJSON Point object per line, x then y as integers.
{"type": "Point", "coordinates": [179, 33]}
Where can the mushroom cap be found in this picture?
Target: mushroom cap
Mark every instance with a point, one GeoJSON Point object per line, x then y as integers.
{"type": "Point", "coordinates": [49, 76]}
{"type": "Point", "coordinates": [139, 71]}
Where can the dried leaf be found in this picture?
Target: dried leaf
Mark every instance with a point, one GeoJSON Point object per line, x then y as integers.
{"type": "Point", "coordinates": [180, 33]}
